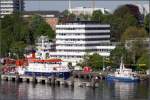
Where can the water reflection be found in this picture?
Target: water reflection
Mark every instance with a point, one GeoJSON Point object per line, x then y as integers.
{"type": "Point", "coordinates": [124, 90]}
{"type": "Point", "coordinates": [106, 91]}
{"type": "Point", "coordinates": [130, 91]}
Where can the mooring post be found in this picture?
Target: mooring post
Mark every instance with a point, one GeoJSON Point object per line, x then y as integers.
{"type": "Point", "coordinates": [58, 83]}
{"type": "Point", "coordinates": [17, 78]}
{"type": "Point", "coordinates": [65, 83]}
{"type": "Point", "coordinates": [93, 82]}
{"type": "Point", "coordinates": [49, 81]}
{"type": "Point", "coordinates": [72, 82]}
{"type": "Point", "coordinates": [53, 81]}
{"type": "Point", "coordinates": [34, 79]}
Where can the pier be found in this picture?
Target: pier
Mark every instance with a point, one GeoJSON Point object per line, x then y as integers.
{"type": "Point", "coordinates": [54, 81]}
{"type": "Point", "coordinates": [89, 76]}
{"type": "Point", "coordinates": [81, 79]}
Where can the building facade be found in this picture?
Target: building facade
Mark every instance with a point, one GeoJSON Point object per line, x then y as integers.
{"type": "Point", "coordinates": [75, 39]}
{"type": "Point", "coordinates": [87, 11]}
{"type": "Point", "coordinates": [10, 6]}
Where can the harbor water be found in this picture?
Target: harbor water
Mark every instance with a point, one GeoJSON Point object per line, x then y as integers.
{"type": "Point", "coordinates": [105, 91]}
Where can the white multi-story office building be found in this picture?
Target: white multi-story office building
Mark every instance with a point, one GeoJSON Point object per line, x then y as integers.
{"type": "Point", "coordinates": [75, 39]}
{"type": "Point", "coordinates": [9, 6]}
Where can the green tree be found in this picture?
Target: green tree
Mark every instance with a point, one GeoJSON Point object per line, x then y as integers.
{"type": "Point", "coordinates": [134, 38]}
{"type": "Point", "coordinates": [134, 33]}
{"type": "Point", "coordinates": [118, 52]}
{"type": "Point", "coordinates": [39, 27]}
{"type": "Point", "coordinates": [96, 61]}
{"type": "Point", "coordinates": [122, 10]}
{"type": "Point", "coordinates": [108, 19]}
{"type": "Point", "coordinates": [14, 28]}
{"type": "Point", "coordinates": [65, 13]}
{"type": "Point", "coordinates": [85, 61]}
{"type": "Point", "coordinates": [84, 17]}
{"type": "Point", "coordinates": [137, 49]}
{"type": "Point", "coordinates": [11, 30]}
{"type": "Point", "coordinates": [123, 18]}
{"type": "Point", "coordinates": [97, 16]}
{"type": "Point", "coordinates": [147, 23]}
{"type": "Point", "coordinates": [144, 61]}
{"type": "Point", "coordinates": [4, 44]}
{"type": "Point", "coordinates": [17, 49]}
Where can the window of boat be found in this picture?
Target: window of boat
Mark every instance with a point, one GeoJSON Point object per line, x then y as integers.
{"type": "Point", "coordinates": [58, 62]}
{"type": "Point", "coordinates": [51, 62]}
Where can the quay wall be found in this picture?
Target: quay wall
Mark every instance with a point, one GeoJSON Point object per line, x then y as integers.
{"type": "Point", "coordinates": [50, 80]}
{"type": "Point", "coordinates": [90, 79]}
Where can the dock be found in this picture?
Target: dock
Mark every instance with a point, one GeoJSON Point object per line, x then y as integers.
{"type": "Point", "coordinates": [89, 76]}
{"type": "Point", "coordinates": [54, 81]}
{"type": "Point", "coordinates": [79, 78]}
{"type": "Point", "coordinates": [144, 77]}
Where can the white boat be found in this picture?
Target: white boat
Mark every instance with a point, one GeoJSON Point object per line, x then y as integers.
{"type": "Point", "coordinates": [123, 74]}
{"type": "Point", "coordinates": [44, 67]}
{"type": "Point", "coordinates": [49, 67]}
{"type": "Point", "coordinates": [39, 64]}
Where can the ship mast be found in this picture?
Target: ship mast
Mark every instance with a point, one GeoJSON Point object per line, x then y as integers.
{"type": "Point", "coordinates": [121, 65]}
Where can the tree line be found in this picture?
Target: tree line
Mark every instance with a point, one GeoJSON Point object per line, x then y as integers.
{"type": "Point", "coordinates": [18, 34]}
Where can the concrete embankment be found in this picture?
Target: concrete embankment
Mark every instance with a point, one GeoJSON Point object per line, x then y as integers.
{"type": "Point", "coordinates": [89, 76]}
{"type": "Point", "coordinates": [79, 78]}
{"type": "Point", "coordinates": [144, 77]}
{"type": "Point", "coordinates": [54, 81]}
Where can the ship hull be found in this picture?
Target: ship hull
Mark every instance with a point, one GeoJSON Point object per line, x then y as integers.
{"type": "Point", "coordinates": [122, 79]}
{"type": "Point", "coordinates": [64, 75]}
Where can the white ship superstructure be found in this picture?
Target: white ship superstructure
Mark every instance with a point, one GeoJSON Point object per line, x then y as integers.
{"type": "Point", "coordinates": [75, 39]}
{"type": "Point", "coordinates": [43, 42]}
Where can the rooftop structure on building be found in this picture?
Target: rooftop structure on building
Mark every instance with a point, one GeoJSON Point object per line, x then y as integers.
{"type": "Point", "coordinates": [87, 10]}
{"type": "Point", "coordinates": [10, 6]}
{"type": "Point", "coordinates": [44, 14]}
{"type": "Point", "coordinates": [74, 39]}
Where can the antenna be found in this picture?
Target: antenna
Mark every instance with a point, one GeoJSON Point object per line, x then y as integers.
{"type": "Point", "coordinates": [93, 4]}
{"type": "Point", "coordinates": [70, 6]}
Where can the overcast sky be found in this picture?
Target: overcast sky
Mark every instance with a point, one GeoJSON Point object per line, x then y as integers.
{"type": "Point", "coordinates": [63, 4]}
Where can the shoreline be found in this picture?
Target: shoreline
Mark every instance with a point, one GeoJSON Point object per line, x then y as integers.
{"type": "Point", "coordinates": [89, 77]}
